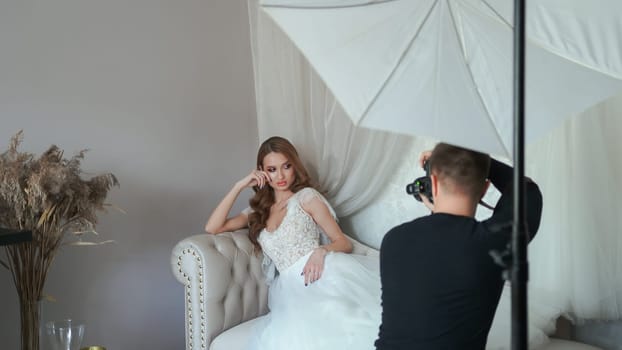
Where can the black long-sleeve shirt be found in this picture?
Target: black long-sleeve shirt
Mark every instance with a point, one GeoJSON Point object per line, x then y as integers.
{"type": "Point", "coordinates": [440, 287]}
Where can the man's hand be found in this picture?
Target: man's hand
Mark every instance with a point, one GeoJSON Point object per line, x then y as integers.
{"type": "Point", "coordinates": [425, 155]}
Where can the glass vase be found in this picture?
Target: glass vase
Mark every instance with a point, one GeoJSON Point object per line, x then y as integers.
{"type": "Point", "coordinates": [64, 334]}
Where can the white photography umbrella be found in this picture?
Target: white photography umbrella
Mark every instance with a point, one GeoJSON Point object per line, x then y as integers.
{"type": "Point", "coordinates": [443, 68]}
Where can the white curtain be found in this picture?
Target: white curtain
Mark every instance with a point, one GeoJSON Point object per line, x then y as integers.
{"type": "Point", "coordinates": [575, 259]}
{"type": "Point", "coordinates": [349, 163]}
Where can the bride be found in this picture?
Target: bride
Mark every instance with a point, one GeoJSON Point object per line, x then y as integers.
{"type": "Point", "coordinates": [323, 297]}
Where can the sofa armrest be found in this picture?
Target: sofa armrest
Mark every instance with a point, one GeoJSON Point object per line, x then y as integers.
{"type": "Point", "coordinates": [361, 249]}
{"type": "Point", "coordinates": [224, 284]}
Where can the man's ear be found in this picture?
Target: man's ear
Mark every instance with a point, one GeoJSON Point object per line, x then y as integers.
{"type": "Point", "coordinates": [486, 185]}
{"type": "Point", "coordinates": [434, 181]}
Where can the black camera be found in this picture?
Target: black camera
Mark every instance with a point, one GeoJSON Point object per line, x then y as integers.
{"type": "Point", "coordinates": [421, 185]}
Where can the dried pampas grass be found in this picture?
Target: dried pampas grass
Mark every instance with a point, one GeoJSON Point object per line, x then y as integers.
{"type": "Point", "coordinates": [48, 196]}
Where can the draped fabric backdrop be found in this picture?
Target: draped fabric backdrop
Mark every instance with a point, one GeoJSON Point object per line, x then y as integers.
{"type": "Point", "coordinates": [575, 259]}
{"type": "Point", "coordinates": [575, 265]}
{"type": "Point", "coordinates": [350, 164]}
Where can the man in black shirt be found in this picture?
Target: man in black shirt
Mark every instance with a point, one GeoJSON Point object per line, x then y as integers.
{"type": "Point", "coordinates": [440, 287]}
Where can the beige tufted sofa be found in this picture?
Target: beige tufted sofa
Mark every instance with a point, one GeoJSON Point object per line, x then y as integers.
{"type": "Point", "coordinates": [225, 290]}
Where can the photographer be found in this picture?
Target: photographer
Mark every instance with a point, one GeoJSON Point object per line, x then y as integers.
{"type": "Point", "coordinates": [440, 286]}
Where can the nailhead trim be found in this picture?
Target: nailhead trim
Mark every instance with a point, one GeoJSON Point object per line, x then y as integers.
{"type": "Point", "coordinates": [197, 258]}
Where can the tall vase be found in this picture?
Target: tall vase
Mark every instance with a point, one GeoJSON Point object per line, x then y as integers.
{"type": "Point", "coordinates": [30, 314]}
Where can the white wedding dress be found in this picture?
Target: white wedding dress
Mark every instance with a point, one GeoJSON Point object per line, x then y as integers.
{"type": "Point", "coordinates": [339, 311]}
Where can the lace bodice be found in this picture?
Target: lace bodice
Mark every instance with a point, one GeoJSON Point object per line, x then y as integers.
{"type": "Point", "coordinates": [297, 234]}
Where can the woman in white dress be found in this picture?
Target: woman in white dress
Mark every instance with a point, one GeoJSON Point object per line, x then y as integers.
{"type": "Point", "coordinates": [323, 297]}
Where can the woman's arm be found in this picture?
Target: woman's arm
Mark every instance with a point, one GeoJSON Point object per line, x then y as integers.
{"type": "Point", "coordinates": [219, 222]}
{"type": "Point", "coordinates": [320, 213]}
{"type": "Point", "coordinates": [322, 216]}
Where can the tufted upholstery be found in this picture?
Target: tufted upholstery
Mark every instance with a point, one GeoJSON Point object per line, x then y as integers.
{"type": "Point", "coordinates": [224, 283]}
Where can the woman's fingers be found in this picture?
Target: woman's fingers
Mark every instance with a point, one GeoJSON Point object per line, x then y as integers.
{"type": "Point", "coordinates": [254, 181]}
{"type": "Point", "coordinates": [307, 277]}
{"type": "Point", "coordinates": [318, 274]}
{"type": "Point", "coordinates": [314, 267]}
{"type": "Point", "coordinates": [257, 178]}
{"type": "Point", "coordinates": [261, 177]}
{"type": "Point", "coordinates": [312, 273]}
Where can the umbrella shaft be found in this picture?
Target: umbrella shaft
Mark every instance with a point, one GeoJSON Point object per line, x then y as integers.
{"type": "Point", "coordinates": [519, 239]}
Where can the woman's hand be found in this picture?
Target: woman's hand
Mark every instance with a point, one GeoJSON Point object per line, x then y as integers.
{"type": "Point", "coordinates": [257, 178]}
{"type": "Point", "coordinates": [315, 265]}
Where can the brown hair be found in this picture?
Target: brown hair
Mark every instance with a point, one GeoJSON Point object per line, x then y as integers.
{"type": "Point", "coordinates": [460, 169]}
{"type": "Point", "coordinates": [264, 197]}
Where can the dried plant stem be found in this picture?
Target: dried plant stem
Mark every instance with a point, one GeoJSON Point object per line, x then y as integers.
{"type": "Point", "coordinates": [29, 263]}
{"type": "Point", "coordinates": [29, 322]}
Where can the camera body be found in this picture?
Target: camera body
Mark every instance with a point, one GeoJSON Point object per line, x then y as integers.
{"type": "Point", "coordinates": [421, 185]}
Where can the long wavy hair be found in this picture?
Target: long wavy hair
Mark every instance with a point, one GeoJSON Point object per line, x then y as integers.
{"type": "Point", "coordinates": [264, 197]}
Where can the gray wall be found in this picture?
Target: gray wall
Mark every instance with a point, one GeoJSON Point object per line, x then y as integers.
{"type": "Point", "coordinates": [161, 92]}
